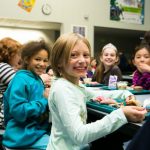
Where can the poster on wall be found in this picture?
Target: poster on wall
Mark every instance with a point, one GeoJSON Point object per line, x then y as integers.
{"type": "Point", "coordinates": [27, 5]}
{"type": "Point", "coordinates": [79, 29]}
{"type": "Point", "coordinates": [130, 11]}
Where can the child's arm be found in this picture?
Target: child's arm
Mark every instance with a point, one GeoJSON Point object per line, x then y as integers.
{"type": "Point", "coordinates": [115, 94]}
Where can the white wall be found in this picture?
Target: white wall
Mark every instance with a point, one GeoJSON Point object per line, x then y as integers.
{"type": "Point", "coordinates": [72, 12]}
{"type": "Point", "coordinates": [26, 35]}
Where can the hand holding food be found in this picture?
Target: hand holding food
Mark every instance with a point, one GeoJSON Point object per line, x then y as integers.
{"type": "Point", "coordinates": [143, 67]}
{"type": "Point", "coordinates": [132, 101]}
{"type": "Point", "coordinates": [134, 113]}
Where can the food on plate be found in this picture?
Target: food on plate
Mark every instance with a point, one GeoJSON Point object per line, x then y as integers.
{"type": "Point", "coordinates": [108, 101]}
{"type": "Point", "coordinates": [122, 85]}
{"type": "Point", "coordinates": [87, 80]}
{"type": "Point", "coordinates": [103, 100]}
{"type": "Point", "coordinates": [133, 102]}
{"type": "Point", "coordinates": [138, 88]}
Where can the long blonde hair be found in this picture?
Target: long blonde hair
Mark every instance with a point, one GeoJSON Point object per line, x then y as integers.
{"type": "Point", "coordinates": [61, 51]}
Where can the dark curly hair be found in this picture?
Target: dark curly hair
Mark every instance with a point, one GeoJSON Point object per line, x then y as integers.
{"type": "Point", "coordinates": [31, 48]}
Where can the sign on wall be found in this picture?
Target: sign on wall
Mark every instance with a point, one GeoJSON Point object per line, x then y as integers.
{"type": "Point", "coordinates": [130, 11]}
{"type": "Point", "coordinates": [79, 29]}
{"type": "Point", "coordinates": [27, 5]}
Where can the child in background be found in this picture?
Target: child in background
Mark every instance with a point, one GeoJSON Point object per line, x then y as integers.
{"type": "Point", "coordinates": [48, 76]}
{"type": "Point", "coordinates": [50, 72]}
{"type": "Point", "coordinates": [70, 58]}
{"type": "Point", "coordinates": [10, 61]}
{"type": "Point", "coordinates": [25, 101]}
{"type": "Point", "coordinates": [91, 68]}
{"type": "Point", "coordinates": [10, 52]}
{"type": "Point", "coordinates": [141, 60]}
{"type": "Point", "coordinates": [146, 40]}
{"type": "Point", "coordinates": [109, 59]}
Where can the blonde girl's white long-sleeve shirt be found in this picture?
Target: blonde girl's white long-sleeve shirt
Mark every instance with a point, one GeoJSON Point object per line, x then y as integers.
{"type": "Point", "coordinates": [67, 103]}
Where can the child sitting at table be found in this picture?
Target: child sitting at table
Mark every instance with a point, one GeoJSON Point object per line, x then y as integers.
{"type": "Point", "coordinates": [109, 59]}
{"type": "Point", "coordinates": [10, 62]}
{"type": "Point", "coordinates": [91, 67]}
{"type": "Point", "coordinates": [25, 101]}
{"type": "Point", "coordinates": [70, 58]}
{"type": "Point", "coordinates": [141, 59]}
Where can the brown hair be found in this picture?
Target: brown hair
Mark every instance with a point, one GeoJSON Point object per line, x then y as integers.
{"type": "Point", "coordinates": [146, 38]}
{"type": "Point", "coordinates": [139, 47]}
{"type": "Point", "coordinates": [9, 48]}
{"type": "Point", "coordinates": [31, 48]}
{"type": "Point", "coordinates": [61, 51]}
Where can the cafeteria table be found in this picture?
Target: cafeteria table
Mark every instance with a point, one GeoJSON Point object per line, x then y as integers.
{"type": "Point", "coordinates": [124, 134]}
{"type": "Point", "coordinates": [97, 111]}
{"type": "Point", "coordinates": [140, 95]}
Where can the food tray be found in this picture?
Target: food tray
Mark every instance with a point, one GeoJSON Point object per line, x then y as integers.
{"type": "Point", "coordinates": [140, 92]}
{"type": "Point", "coordinates": [103, 107]}
{"type": "Point", "coordinates": [93, 85]}
{"type": "Point", "coordinates": [107, 108]}
{"type": "Point", "coordinates": [107, 88]}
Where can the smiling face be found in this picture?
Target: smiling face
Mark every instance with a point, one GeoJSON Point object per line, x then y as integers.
{"type": "Point", "coordinates": [109, 57]}
{"type": "Point", "coordinates": [142, 56]}
{"type": "Point", "coordinates": [78, 62]}
{"type": "Point", "coordinates": [38, 62]}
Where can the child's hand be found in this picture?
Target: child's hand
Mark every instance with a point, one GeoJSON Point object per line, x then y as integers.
{"type": "Point", "coordinates": [142, 67]}
{"type": "Point", "coordinates": [46, 92]}
{"type": "Point", "coordinates": [131, 100]}
{"type": "Point", "coordinates": [46, 79]}
{"type": "Point", "coordinates": [134, 113]}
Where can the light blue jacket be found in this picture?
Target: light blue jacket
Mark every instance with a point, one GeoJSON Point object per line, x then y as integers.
{"type": "Point", "coordinates": [67, 104]}
{"type": "Point", "coordinates": [24, 108]}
